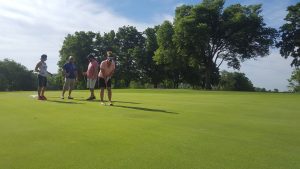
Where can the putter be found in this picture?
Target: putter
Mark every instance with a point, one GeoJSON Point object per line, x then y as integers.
{"type": "Point", "coordinates": [35, 95]}
{"type": "Point", "coordinates": [84, 79]}
{"type": "Point", "coordinates": [107, 88]}
{"type": "Point", "coordinates": [100, 92]}
{"type": "Point", "coordinates": [104, 92]}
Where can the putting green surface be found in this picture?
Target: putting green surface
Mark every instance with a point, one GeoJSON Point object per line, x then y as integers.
{"type": "Point", "coordinates": [151, 129]}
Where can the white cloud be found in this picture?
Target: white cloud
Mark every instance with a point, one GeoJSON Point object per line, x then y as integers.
{"type": "Point", "coordinates": [30, 28]}
{"type": "Point", "coordinates": [270, 72]}
{"type": "Point", "coordinates": [158, 19]}
{"type": "Point", "coordinates": [274, 11]}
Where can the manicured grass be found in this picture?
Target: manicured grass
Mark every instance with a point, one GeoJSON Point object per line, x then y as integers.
{"type": "Point", "coordinates": [157, 129]}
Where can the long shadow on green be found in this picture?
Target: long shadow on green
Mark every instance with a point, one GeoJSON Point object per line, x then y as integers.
{"type": "Point", "coordinates": [117, 101]}
{"type": "Point", "coordinates": [63, 102]}
{"type": "Point", "coordinates": [145, 109]}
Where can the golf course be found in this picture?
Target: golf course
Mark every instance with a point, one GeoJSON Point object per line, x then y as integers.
{"type": "Point", "coordinates": [151, 129]}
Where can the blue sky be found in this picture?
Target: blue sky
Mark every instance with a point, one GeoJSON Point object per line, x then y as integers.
{"type": "Point", "coordinates": [149, 10]}
{"type": "Point", "coordinates": [145, 10]}
{"type": "Point", "coordinates": [32, 27]}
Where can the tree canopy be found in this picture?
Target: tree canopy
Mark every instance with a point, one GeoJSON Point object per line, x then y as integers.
{"type": "Point", "coordinates": [290, 35]}
{"type": "Point", "coordinates": [14, 76]}
{"type": "Point", "coordinates": [235, 81]}
{"type": "Point", "coordinates": [294, 81]}
{"type": "Point", "coordinates": [207, 34]}
{"type": "Point", "coordinates": [188, 50]}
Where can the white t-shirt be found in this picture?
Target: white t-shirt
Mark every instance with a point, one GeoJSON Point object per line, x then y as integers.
{"type": "Point", "coordinates": [43, 69]}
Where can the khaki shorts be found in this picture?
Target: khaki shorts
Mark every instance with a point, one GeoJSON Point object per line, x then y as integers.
{"type": "Point", "coordinates": [91, 83]}
{"type": "Point", "coordinates": [69, 83]}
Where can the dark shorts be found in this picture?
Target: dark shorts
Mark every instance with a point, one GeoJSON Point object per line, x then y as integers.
{"type": "Point", "coordinates": [102, 83]}
{"type": "Point", "coordinates": [42, 81]}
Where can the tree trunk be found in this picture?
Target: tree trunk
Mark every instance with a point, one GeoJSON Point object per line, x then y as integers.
{"type": "Point", "coordinates": [127, 83]}
{"type": "Point", "coordinates": [208, 74]}
{"type": "Point", "coordinates": [175, 80]}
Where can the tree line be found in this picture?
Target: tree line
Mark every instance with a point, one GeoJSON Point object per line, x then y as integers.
{"type": "Point", "coordinates": [189, 51]}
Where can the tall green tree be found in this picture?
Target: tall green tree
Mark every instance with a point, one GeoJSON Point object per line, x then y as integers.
{"type": "Point", "coordinates": [102, 43]}
{"type": "Point", "coordinates": [235, 81]}
{"type": "Point", "coordinates": [14, 76]}
{"type": "Point", "coordinates": [154, 73]}
{"type": "Point", "coordinates": [294, 81]}
{"type": "Point", "coordinates": [78, 45]}
{"type": "Point", "coordinates": [130, 44]}
{"type": "Point", "coordinates": [290, 35]}
{"type": "Point", "coordinates": [207, 35]}
{"type": "Point", "coordinates": [167, 55]}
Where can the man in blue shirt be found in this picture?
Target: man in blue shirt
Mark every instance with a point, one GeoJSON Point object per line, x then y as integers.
{"type": "Point", "coordinates": [70, 74]}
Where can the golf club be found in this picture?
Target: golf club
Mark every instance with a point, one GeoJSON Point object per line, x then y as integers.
{"type": "Point", "coordinates": [37, 84]}
{"type": "Point", "coordinates": [105, 81]}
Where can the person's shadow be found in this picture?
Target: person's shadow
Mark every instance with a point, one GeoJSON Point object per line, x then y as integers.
{"type": "Point", "coordinates": [117, 101]}
{"type": "Point", "coordinates": [145, 109]}
{"type": "Point", "coordinates": [62, 102]}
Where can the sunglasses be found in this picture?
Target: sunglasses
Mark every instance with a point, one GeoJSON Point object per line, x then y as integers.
{"type": "Point", "coordinates": [110, 59]}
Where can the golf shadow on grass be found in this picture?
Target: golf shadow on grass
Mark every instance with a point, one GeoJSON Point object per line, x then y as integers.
{"type": "Point", "coordinates": [62, 102]}
{"type": "Point", "coordinates": [97, 100]}
{"type": "Point", "coordinates": [84, 100]}
{"type": "Point", "coordinates": [56, 97]}
{"type": "Point", "coordinates": [116, 101]}
{"type": "Point", "coordinates": [145, 109]}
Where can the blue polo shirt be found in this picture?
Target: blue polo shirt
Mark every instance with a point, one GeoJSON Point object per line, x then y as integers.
{"type": "Point", "coordinates": [71, 69]}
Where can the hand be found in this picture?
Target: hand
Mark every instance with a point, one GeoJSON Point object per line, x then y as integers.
{"type": "Point", "coordinates": [107, 79]}
{"type": "Point", "coordinates": [50, 74]}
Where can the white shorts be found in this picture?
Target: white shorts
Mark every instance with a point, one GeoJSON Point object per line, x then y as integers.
{"type": "Point", "coordinates": [69, 83]}
{"type": "Point", "coordinates": [91, 83]}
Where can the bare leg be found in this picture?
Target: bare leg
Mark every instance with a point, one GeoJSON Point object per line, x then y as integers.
{"type": "Point", "coordinates": [39, 91]}
{"type": "Point", "coordinates": [71, 86]}
{"type": "Point", "coordinates": [64, 90]}
{"type": "Point", "coordinates": [109, 93]}
{"type": "Point", "coordinates": [70, 92]}
{"type": "Point", "coordinates": [92, 93]}
{"type": "Point", "coordinates": [42, 91]}
{"type": "Point", "coordinates": [101, 94]}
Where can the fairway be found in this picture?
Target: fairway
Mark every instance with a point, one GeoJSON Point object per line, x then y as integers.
{"type": "Point", "coordinates": [151, 129]}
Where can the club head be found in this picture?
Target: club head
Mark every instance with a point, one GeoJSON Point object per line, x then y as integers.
{"type": "Point", "coordinates": [34, 96]}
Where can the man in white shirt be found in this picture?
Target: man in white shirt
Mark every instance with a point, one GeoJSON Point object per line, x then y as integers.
{"type": "Point", "coordinates": [107, 69]}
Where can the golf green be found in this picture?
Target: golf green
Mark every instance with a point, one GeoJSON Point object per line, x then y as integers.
{"type": "Point", "coordinates": [151, 129]}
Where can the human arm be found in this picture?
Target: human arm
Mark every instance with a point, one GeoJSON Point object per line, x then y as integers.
{"type": "Point", "coordinates": [37, 67]}
{"type": "Point", "coordinates": [111, 73]}
{"type": "Point", "coordinates": [85, 73]}
{"type": "Point", "coordinates": [113, 70]}
{"type": "Point", "coordinates": [65, 74]}
{"type": "Point", "coordinates": [50, 73]}
{"type": "Point", "coordinates": [96, 71]}
{"type": "Point", "coordinates": [76, 75]}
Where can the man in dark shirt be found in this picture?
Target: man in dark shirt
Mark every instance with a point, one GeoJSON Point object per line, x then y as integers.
{"type": "Point", "coordinates": [70, 74]}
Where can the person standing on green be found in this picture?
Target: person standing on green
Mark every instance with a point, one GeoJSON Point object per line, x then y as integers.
{"type": "Point", "coordinates": [70, 74]}
{"type": "Point", "coordinates": [41, 68]}
{"type": "Point", "coordinates": [91, 75]}
{"type": "Point", "coordinates": [107, 69]}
